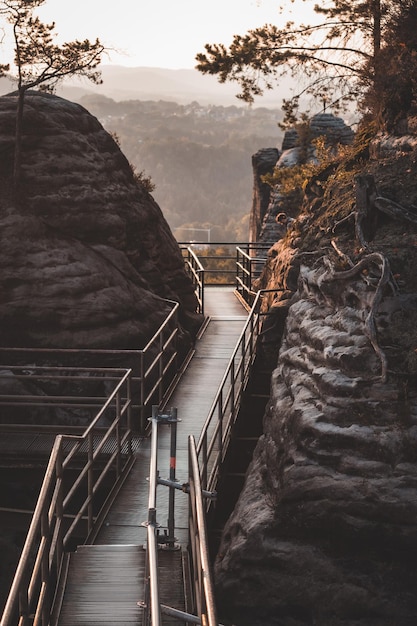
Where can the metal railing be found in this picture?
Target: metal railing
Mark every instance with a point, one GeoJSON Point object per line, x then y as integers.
{"type": "Point", "coordinates": [203, 601]}
{"type": "Point", "coordinates": [216, 432]}
{"type": "Point", "coordinates": [250, 259]}
{"type": "Point", "coordinates": [148, 383]}
{"type": "Point", "coordinates": [218, 260]}
{"type": "Point", "coordinates": [155, 368]}
{"type": "Point", "coordinates": [198, 544]}
{"type": "Point", "coordinates": [238, 264]}
{"type": "Point", "coordinates": [82, 474]}
{"type": "Point", "coordinates": [159, 366]}
{"type": "Point", "coordinates": [152, 604]}
{"type": "Point", "coordinates": [196, 271]}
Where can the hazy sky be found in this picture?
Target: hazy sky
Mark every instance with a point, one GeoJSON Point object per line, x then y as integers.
{"type": "Point", "coordinates": [163, 33]}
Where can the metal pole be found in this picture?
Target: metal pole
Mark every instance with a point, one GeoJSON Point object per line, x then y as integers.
{"type": "Point", "coordinates": [206, 589]}
{"type": "Point", "coordinates": [153, 572]}
{"type": "Point", "coordinates": [161, 367]}
{"type": "Point", "coordinates": [142, 425]}
{"type": "Point", "coordinates": [237, 268]}
{"type": "Point", "coordinates": [205, 463]}
{"type": "Point", "coordinates": [153, 469]}
{"type": "Point", "coordinates": [152, 561]}
{"type": "Point", "coordinates": [250, 274]}
{"type": "Point", "coordinates": [90, 481]}
{"type": "Point", "coordinates": [118, 435]}
{"type": "Point", "coordinates": [202, 278]}
{"type": "Point", "coordinates": [172, 467]}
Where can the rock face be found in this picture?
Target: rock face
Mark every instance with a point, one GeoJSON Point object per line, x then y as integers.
{"type": "Point", "coordinates": [267, 204]}
{"type": "Point", "coordinates": [263, 162]}
{"type": "Point", "coordinates": [325, 529]}
{"type": "Point", "coordinates": [87, 259]}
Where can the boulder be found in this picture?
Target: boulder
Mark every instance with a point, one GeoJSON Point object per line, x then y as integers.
{"type": "Point", "coordinates": [87, 259]}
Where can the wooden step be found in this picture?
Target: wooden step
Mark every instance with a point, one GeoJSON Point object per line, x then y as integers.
{"type": "Point", "coordinates": [104, 585]}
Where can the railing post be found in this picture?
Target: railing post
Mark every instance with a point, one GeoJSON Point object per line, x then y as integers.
{"type": "Point", "coordinates": [152, 595]}
{"type": "Point", "coordinates": [232, 390]}
{"type": "Point", "coordinates": [23, 606]}
{"type": "Point", "coordinates": [172, 478]}
{"type": "Point", "coordinates": [243, 355]}
{"type": "Point", "coordinates": [205, 460]}
{"type": "Point", "coordinates": [155, 604]}
{"type": "Point", "coordinates": [202, 283]}
{"type": "Point", "coordinates": [118, 434]}
{"type": "Point", "coordinates": [161, 367]}
{"type": "Point", "coordinates": [129, 414]}
{"type": "Point", "coordinates": [142, 393]}
{"type": "Point", "coordinates": [252, 336]}
{"type": "Point", "coordinates": [203, 591]}
{"type": "Point", "coordinates": [257, 329]}
{"type": "Point", "coordinates": [237, 269]}
{"type": "Point", "coordinates": [250, 271]}
{"type": "Point", "coordinates": [194, 538]}
{"type": "Point", "coordinates": [45, 609]}
{"type": "Point", "coordinates": [176, 322]}
{"type": "Point", "coordinates": [246, 276]}
{"type": "Point", "coordinates": [220, 422]}
{"type": "Point", "coordinates": [59, 508]}
{"type": "Point", "coordinates": [90, 481]}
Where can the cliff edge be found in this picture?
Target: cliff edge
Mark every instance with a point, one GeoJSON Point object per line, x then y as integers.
{"type": "Point", "coordinates": [325, 529]}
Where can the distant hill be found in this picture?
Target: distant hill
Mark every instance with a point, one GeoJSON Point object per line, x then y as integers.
{"type": "Point", "coordinates": [6, 86]}
{"type": "Point", "coordinates": [182, 86]}
{"type": "Point", "coordinates": [151, 83]}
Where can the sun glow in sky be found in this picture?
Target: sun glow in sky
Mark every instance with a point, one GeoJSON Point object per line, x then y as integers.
{"type": "Point", "coordinates": [164, 33]}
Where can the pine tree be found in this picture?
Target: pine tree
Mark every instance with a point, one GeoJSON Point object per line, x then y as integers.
{"type": "Point", "coordinates": [338, 57]}
{"type": "Point", "coordinates": [41, 63]}
{"type": "Point", "coordinates": [392, 97]}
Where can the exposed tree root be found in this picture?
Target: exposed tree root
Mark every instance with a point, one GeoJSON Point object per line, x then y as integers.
{"type": "Point", "coordinates": [391, 208]}
{"type": "Point", "coordinates": [341, 254]}
{"type": "Point", "coordinates": [370, 328]}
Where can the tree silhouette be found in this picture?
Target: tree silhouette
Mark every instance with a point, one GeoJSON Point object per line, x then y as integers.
{"type": "Point", "coordinates": [393, 96]}
{"type": "Point", "coordinates": [337, 56]}
{"type": "Point", "coordinates": [3, 68]}
{"type": "Point", "coordinates": [40, 63]}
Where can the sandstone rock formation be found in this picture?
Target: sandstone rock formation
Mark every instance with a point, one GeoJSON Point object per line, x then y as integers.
{"type": "Point", "coordinates": [87, 259]}
{"type": "Point", "coordinates": [267, 205]}
{"type": "Point", "coordinates": [263, 162]}
{"type": "Point", "coordinates": [325, 529]}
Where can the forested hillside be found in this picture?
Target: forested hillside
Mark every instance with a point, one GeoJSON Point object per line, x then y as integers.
{"type": "Point", "coordinates": [198, 158]}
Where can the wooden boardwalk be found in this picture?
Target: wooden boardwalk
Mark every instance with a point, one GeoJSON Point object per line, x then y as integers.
{"type": "Point", "coordinates": [105, 580]}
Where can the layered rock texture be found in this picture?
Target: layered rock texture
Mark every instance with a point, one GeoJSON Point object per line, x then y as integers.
{"type": "Point", "coordinates": [325, 529]}
{"type": "Point", "coordinates": [267, 205]}
{"type": "Point", "coordinates": [87, 259]}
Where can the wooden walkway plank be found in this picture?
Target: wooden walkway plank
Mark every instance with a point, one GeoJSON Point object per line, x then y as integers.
{"type": "Point", "coordinates": [104, 587]}
{"type": "Point", "coordinates": [101, 586]}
